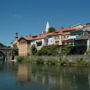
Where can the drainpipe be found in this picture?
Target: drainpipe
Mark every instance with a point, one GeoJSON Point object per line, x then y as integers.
{"type": "Point", "coordinates": [88, 42]}
{"type": "Point", "coordinates": [73, 42]}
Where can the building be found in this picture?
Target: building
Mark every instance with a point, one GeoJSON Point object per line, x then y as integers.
{"type": "Point", "coordinates": [24, 46]}
{"type": "Point", "coordinates": [77, 36]}
{"type": "Point", "coordinates": [54, 38]}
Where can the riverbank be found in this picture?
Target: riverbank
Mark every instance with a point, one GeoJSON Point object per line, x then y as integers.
{"type": "Point", "coordinates": [70, 60]}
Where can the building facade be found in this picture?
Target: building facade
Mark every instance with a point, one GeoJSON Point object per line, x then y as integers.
{"type": "Point", "coordinates": [77, 37]}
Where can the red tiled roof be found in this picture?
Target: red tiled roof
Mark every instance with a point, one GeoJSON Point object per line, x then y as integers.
{"type": "Point", "coordinates": [41, 36]}
{"type": "Point", "coordinates": [57, 32]}
{"type": "Point", "coordinates": [65, 29]}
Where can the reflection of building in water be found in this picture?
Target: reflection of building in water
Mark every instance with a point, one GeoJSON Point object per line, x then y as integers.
{"type": "Point", "coordinates": [23, 74]}
{"type": "Point", "coordinates": [51, 80]}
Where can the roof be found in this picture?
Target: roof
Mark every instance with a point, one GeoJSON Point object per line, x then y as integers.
{"type": "Point", "coordinates": [66, 29]}
{"type": "Point", "coordinates": [41, 36]}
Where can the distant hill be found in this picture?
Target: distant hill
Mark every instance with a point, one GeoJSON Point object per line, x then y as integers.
{"type": "Point", "coordinates": [2, 45]}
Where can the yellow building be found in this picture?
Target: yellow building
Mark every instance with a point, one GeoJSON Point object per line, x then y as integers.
{"type": "Point", "coordinates": [24, 46]}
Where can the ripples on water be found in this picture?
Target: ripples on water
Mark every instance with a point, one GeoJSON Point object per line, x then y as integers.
{"type": "Point", "coordinates": [43, 77]}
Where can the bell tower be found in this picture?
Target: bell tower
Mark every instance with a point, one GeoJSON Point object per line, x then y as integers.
{"type": "Point", "coordinates": [47, 27]}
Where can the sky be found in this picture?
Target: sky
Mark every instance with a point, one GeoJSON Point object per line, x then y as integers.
{"type": "Point", "coordinates": [29, 17]}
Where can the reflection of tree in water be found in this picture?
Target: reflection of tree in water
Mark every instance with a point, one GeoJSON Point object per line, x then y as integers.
{"type": "Point", "coordinates": [2, 56]}
{"type": "Point", "coordinates": [52, 77]}
{"type": "Point", "coordinates": [64, 78]}
{"type": "Point", "coordinates": [23, 74]}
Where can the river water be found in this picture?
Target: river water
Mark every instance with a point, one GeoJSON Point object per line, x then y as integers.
{"type": "Point", "coordinates": [43, 77]}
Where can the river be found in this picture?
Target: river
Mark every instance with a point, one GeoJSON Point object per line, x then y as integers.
{"type": "Point", "coordinates": [43, 77]}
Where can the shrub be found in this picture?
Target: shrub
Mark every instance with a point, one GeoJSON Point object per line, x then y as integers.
{"type": "Point", "coordinates": [66, 50]}
{"type": "Point", "coordinates": [20, 59]}
{"type": "Point", "coordinates": [81, 62]}
{"type": "Point", "coordinates": [39, 61]}
{"type": "Point", "coordinates": [33, 49]}
{"type": "Point", "coordinates": [52, 50]}
{"type": "Point", "coordinates": [63, 62]}
{"type": "Point", "coordinates": [88, 52]}
{"type": "Point", "coordinates": [52, 61]}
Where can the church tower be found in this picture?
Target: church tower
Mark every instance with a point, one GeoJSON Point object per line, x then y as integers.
{"type": "Point", "coordinates": [47, 27]}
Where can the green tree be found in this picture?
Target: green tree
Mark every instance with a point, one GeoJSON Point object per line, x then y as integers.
{"type": "Point", "coordinates": [15, 45]}
{"type": "Point", "coordinates": [62, 27]}
{"type": "Point", "coordinates": [55, 50]}
{"type": "Point", "coordinates": [51, 29]}
{"type": "Point", "coordinates": [2, 45]}
{"type": "Point", "coordinates": [52, 50]}
{"type": "Point", "coordinates": [33, 50]}
{"type": "Point", "coordinates": [66, 49]}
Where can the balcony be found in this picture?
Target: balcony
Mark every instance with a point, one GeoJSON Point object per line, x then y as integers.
{"type": "Point", "coordinates": [75, 37]}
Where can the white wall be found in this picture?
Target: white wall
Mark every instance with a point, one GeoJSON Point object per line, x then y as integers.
{"type": "Point", "coordinates": [51, 40]}
{"type": "Point", "coordinates": [38, 40]}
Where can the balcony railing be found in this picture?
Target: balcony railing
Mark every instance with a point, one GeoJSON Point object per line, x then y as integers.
{"type": "Point", "coordinates": [75, 37]}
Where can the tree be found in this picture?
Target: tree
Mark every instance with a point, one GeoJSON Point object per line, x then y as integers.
{"type": "Point", "coordinates": [14, 45]}
{"type": "Point", "coordinates": [51, 29]}
{"type": "Point", "coordinates": [62, 27]}
{"type": "Point", "coordinates": [52, 50]}
{"type": "Point", "coordinates": [2, 45]}
{"type": "Point", "coordinates": [33, 50]}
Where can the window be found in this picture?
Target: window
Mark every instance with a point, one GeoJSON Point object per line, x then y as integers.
{"type": "Point", "coordinates": [57, 37]}
{"type": "Point", "coordinates": [39, 43]}
{"type": "Point", "coordinates": [57, 42]}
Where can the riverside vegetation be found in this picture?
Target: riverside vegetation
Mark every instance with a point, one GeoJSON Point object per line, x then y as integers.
{"type": "Point", "coordinates": [53, 61]}
{"type": "Point", "coordinates": [52, 51]}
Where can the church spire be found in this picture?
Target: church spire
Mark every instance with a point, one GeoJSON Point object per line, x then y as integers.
{"type": "Point", "coordinates": [47, 27]}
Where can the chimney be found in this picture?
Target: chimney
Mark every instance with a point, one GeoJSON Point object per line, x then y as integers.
{"type": "Point", "coordinates": [16, 36]}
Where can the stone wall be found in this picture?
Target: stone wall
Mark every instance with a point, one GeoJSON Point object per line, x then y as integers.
{"type": "Point", "coordinates": [65, 57]}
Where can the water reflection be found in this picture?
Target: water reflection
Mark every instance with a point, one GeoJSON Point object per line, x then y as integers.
{"type": "Point", "coordinates": [54, 78]}
{"type": "Point", "coordinates": [23, 74]}
{"type": "Point", "coordinates": [39, 77]}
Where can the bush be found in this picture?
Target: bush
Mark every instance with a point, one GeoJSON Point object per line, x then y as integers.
{"type": "Point", "coordinates": [81, 62]}
{"type": "Point", "coordinates": [52, 50]}
{"type": "Point", "coordinates": [66, 50]}
{"type": "Point", "coordinates": [63, 62]}
{"type": "Point", "coordinates": [52, 61]}
{"type": "Point", "coordinates": [33, 49]}
{"type": "Point", "coordinates": [39, 61]}
{"type": "Point", "coordinates": [88, 52]}
{"type": "Point", "coordinates": [20, 59]}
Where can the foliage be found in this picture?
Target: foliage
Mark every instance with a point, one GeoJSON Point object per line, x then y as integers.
{"type": "Point", "coordinates": [88, 52]}
{"type": "Point", "coordinates": [63, 62]}
{"type": "Point", "coordinates": [52, 61]}
{"type": "Point", "coordinates": [33, 50]}
{"type": "Point", "coordinates": [51, 29]}
{"type": "Point", "coordinates": [40, 61]}
{"type": "Point", "coordinates": [20, 59]}
{"type": "Point", "coordinates": [81, 62]}
{"type": "Point", "coordinates": [52, 50]}
{"type": "Point", "coordinates": [2, 45]}
{"type": "Point", "coordinates": [62, 27]}
{"type": "Point", "coordinates": [66, 50]}
{"type": "Point", "coordinates": [15, 45]}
